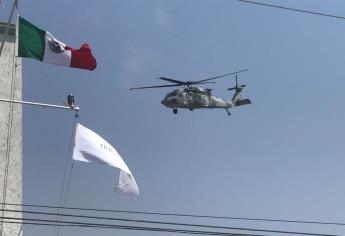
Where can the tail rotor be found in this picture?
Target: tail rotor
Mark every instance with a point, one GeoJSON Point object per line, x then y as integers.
{"type": "Point", "coordinates": [237, 87]}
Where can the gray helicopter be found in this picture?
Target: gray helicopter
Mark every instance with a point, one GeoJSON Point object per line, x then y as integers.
{"type": "Point", "coordinates": [191, 97]}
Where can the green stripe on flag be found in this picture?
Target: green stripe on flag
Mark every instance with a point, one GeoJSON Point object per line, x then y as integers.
{"type": "Point", "coordinates": [31, 40]}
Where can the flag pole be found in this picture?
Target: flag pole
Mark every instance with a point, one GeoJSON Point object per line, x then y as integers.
{"type": "Point", "coordinates": [45, 105]}
{"type": "Point", "coordinates": [16, 37]}
{"type": "Point", "coordinates": [7, 26]}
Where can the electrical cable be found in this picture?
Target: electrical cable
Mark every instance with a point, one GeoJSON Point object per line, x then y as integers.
{"type": "Point", "coordinates": [161, 229]}
{"type": "Point", "coordinates": [21, 229]}
{"type": "Point", "coordinates": [180, 215]}
{"type": "Point", "coordinates": [292, 9]}
{"type": "Point", "coordinates": [161, 222]}
{"type": "Point", "coordinates": [124, 227]}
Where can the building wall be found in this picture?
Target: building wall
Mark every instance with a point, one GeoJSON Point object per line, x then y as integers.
{"type": "Point", "coordinates": [10, 133]}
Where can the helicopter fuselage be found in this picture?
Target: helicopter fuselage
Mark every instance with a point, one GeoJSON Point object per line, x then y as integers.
{"type": "Point", "coordinates": [194, 98]}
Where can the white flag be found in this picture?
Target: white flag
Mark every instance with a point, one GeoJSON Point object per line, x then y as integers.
{"type": "Point", "coordinates": [90, 147]}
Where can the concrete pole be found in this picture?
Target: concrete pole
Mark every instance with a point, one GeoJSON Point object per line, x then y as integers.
{"type": "Point", "coordinates": [10, 130]}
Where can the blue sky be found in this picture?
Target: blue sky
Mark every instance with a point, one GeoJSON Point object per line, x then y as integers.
{"type": "Point", "coordinates": [281, 157]}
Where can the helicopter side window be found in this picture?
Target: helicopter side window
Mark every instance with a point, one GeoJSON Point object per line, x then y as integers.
{"type": "Point", "coordinates": [199, 97]}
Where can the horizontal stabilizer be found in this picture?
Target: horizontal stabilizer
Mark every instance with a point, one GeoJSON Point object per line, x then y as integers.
{"type": "Point", "coordinates": [242, 102]}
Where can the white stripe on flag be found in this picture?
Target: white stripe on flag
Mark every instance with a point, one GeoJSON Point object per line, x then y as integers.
{"type": "Point", "coordinates": [54, 51]}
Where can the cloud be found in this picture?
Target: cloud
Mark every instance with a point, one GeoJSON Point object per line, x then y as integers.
{"type": "Point", "coordinates": [138, 59]}
{"type": "Point", "coordinates": [162, 17]}
{"type": "Point", "coordinates": [133, 61]}
{"type": "Point", "coordinates": [136, 62]}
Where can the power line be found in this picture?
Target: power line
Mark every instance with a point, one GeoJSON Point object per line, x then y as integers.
{"type": "Point", "coordinates": [175, 230]}
{"type": "Point", "coordinates": [135, 228]}
{"type": "Point", "coordinates": [162, 222]}
{"type": "Point", "coordinates": [179, 215]}
{"type": "Point", "coordinates": [293, 9]}
{"type": "Point", "coordinates": [111, 226]}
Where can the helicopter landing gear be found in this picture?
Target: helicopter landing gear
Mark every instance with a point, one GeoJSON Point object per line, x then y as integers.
{"type": "Point", "coordinates": [175, 110]}
{"type": "Point", "coordinates": [191, 108]}
{"type": "Point", "coordinates": [227, 111]}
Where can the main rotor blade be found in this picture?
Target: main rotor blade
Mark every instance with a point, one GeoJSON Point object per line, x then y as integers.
{"type": "Point", "coordinates": [178, 82]}
{"type": "Point", "coordinates": [172, 80]}
{"type": "Point", "coordinates": [219, 76]}
{"type": "Point", "coordinates": [205, 82]}
{"type": "Point", "coordinates": [158, 86]}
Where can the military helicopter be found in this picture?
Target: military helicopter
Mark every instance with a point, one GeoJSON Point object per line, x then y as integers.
{"type": "Point", "coordinates": [192, 97]}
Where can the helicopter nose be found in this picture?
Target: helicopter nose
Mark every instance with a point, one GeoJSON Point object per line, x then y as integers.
{"type": "Point", "coordinates": [168, 101]}
{"type": "Point", "coordinates": [164, 102]}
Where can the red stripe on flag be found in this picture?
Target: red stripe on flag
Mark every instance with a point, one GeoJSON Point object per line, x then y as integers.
{"type": "Point", "coordinates": [82, 58]}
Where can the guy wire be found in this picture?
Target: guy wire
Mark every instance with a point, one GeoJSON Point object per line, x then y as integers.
{"type": "Point", "coordinates": [62, 198]}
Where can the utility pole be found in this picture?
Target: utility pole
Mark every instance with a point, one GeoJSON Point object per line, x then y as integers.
{"type": "Point", "coordinates": [10, 130]}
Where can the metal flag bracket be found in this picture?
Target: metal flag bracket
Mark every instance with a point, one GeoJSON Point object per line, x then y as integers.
{"type": "Point", "coordinates": [70, 104]}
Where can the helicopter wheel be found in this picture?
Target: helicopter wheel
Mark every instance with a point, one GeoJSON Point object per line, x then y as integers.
{"type": "Point", "coordinates": [227, 111]}
{"type": "Point", "coordinates": [191, 108]}
{"type": "Point", "coordinates": [175, 110]}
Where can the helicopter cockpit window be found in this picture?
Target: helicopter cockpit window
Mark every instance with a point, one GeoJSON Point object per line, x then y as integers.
{"type": "Point", "coordinates": [172, 94]}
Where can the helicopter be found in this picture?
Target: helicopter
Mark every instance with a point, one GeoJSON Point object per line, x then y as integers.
{"type": "Point", "coordinates": [192, 97]}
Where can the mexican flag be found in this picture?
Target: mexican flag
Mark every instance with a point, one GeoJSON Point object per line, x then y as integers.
{"type": "Point", "coordinates": [41, 45]}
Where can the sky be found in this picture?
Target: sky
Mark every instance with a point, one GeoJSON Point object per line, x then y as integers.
{"type": "Point", "coordinates": [281, 157]}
